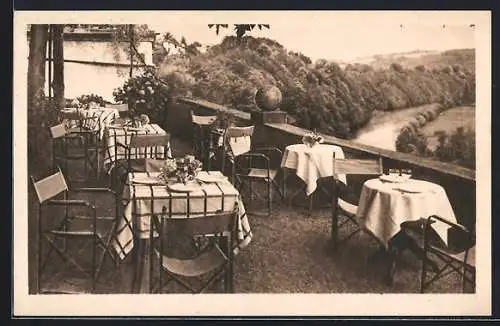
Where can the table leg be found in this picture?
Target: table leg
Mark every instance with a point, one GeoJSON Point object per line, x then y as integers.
{"type": "Point", "coordinates": [397, 245]}
{"type": "Point", "coordinates": [141, 269]}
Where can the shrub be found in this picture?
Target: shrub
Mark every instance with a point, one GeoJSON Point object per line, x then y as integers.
{"type": "Point", "coordinates": [446, 69]}
{"type": "Point", "coordinates": [264, 50]}
{"type": "Point", "coordinates": [420, 68]}
{"type": "Point", "coordinates": [320, 63]}
{"type": "Point", "coordinates": [413, 124]}
{"type": "Point", "coordinates": [458, 147]}
{"type": "Point", "coordinates": [430, 115]}
{"type": "Point", "coordinates": [457, 68]}
{"type": "Point", "coordinates": [422, 120]}
{"type": "Point", "coordinates": [397, 67]}
{"type": "Point", "coordinates": [412, 141]}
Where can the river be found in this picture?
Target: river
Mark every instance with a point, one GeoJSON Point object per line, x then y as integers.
{"type": "Point", "coordinates": [383, 129]}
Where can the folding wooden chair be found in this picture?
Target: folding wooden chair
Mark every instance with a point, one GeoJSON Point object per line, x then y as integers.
{"type": "Point", "coordinates": [73, 146]}
{"type": "Point", "coordinates": [86, 226]}
{"type": "Point", "coordinates": [201, 136]}
{"type": "Point", "coordinates": [457, 257]}
{"type": "Point", "coordinates": [213, 262]}
{"type": "Point", "coordinates": [340, 204]}
{"type": "Point", "coordinates": [122, 109]}
{"type": "Point", "coordinates": [142, 148]}
{"type": "Point", "coordinates": [260, 164]}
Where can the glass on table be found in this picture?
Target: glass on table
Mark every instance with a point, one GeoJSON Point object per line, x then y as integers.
{"type": "Point", "coordinates": [406, 174]}
{"type": "Point", "coordinates": [394, 172]}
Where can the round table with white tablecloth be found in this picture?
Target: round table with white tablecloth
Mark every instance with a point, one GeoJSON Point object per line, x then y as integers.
{"type": "Point", "coordinates": [384, 205]}
{"type": "Point", "coordinates": [312, 163]}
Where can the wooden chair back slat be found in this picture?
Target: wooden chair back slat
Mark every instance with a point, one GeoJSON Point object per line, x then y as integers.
{"type": "Point", "coordinates": [58, 131]}
{"type": "Point", "coordinates": [153, 165]}
{"type": "Point", "coordinates": [236, 132]}
{"type": "Point", "coordinates": [138, 141]}
{"type": "Point", "coordinates": [50, 186]}
{"type": "Point", "coordinates": [209, 224]}
{"type": "Point", "coordinates": [357, 166]}
{"type": "Point", "coordinates": [203, 120]}
{"type": "Point", "coordinates": [119, 107]}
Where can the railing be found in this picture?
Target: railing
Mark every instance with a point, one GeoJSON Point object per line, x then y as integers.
{"type": "Point", "coordinates": [459, 182]}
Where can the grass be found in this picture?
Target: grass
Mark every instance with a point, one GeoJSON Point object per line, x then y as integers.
{"type": "Point", "coordinates": [289, 253]}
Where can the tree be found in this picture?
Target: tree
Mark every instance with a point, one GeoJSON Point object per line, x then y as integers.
{"type": "Point", "coordinates": [240, 29]}
{"type": "Point", "coordinates": [58, 79]}
{"type": "Point", "coordinates": [36, 84]}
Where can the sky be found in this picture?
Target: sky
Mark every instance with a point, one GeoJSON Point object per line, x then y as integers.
{"type": "Point", "coordinates": [330, 36]}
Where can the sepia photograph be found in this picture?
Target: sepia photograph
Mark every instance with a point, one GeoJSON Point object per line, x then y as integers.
{"type": "Point", "coordinates": [325, 163]}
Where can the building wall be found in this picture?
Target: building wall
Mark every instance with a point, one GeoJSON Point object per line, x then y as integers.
{"type": "Point", "coordinates": [92, 76]}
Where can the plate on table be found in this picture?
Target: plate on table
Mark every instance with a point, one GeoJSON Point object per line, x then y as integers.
{"type": "Point", "coordinates": [210, 178]}
{"type": "Point", "coordinates": [392, 178]}
{"type": "Point", "coordinates": [145, 180]}
{"type": "Point", "coordinates": [181, 187]}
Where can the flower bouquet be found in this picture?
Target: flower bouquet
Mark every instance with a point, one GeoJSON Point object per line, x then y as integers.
{"type": "Point", "coordinates": [182, 169]}
{"type": "Point", "coordinates": [138, 121]}
{"type": "Point", "coordinates": [312, 139]}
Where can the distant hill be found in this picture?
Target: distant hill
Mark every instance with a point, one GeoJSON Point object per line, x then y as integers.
{"type": "Point", "coordinates": [430, 59]}
{"type": "Point", "coordinates": [322, 95]}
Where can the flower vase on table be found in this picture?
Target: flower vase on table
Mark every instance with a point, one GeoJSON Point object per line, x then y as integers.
{"type": "Point", "coordinates": [312, 139]}
{"type": "Point", "coordinates": [182, 170]}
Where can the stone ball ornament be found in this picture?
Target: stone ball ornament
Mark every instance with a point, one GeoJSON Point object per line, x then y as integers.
{"type": "Point", "coordinates": [268, 98]}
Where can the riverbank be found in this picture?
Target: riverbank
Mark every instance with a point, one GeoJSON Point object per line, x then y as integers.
{"type": "Point", "coordinates": [384, 127]}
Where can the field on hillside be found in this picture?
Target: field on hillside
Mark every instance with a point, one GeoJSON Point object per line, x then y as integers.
{"type": "Point", "coordinates": [430, 59]}
{"type": "Point", "coordinates": [449, 121]}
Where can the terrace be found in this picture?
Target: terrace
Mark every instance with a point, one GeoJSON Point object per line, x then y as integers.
{"type": "Point", "coordinates": [290, 252]}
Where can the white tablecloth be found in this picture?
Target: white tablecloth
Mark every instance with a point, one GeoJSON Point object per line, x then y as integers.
{"type": "Point", "coordinates": [123, 136]}
{"type": "Point", "coordinates": [103, 117]}
{"type": "Point", "coordinates": [143, 200]}
{"type": "Point", "coordinates": [312, 163]}
{"type": "Point", "coordinates": [383, 208]}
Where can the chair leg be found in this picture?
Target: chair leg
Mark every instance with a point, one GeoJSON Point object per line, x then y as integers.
{"type": "Point", "coordinates": [94, 244]}
{"type": "Point", "coordinates": [251, 192]}
{"type": "Point", "coordinates": [269, 198]}
{"type": "Point", "coordinates": [392, 257]}
{"type": "Point", "coordinates": [40, 247]}
{"type": "Point", "coordinates": [334, 231]}
{"type": "Point", "coordinates": [423, 275]}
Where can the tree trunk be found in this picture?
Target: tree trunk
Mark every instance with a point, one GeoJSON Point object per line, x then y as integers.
{"type": "Point", "coordinates": [36, 85]}
{"type": "Point", "coordinates": [36, 63]}
{"type": "Point", "coordinates": [131, 53]}
{"type": "Point", "coordinates": [58, 82]}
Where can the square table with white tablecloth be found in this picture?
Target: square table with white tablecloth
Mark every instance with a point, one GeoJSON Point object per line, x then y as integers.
{"type": "Point", "coordinates": [384, 206]}
{"type": "Point", "coordinates": [122, 135]}
{"type": "Point", "coordinates": [93, 119]}
{"type": "Point", "coordinates": [312, 163]}
{"type": "Point", "coordinates": [145, 195]}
